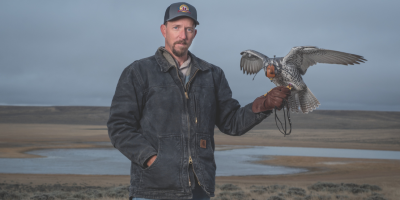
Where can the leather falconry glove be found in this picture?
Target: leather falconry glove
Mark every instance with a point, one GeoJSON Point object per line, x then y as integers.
{"type": "Point", "coordinates": [272, 99]}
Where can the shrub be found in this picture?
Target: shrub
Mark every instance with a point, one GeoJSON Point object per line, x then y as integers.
{"type": "Point", "coordinates": [229, 187]}
{"type": "Point", "coordinates": [351, 187]}
{"type": "Point", "coordinates": [61, 195]}
{"type": "Point", "coordinates": [308, 197]}
{"type": "Point", "coordinates": [341, 197]}
{"type": "Point", "coordinates": [238, 195]}
{"type": "Point", "coordinates": [359, 190]}
{"type": "Point", "coordinates": [275, 198]}
{"type": "Point", "coordinates": [224, 194]}
{"type": "Point", "coordinates": [10, 195]}
{"type": "Point", "coordinates": [296, 191]}
{"type": "Point", "coordinates": [117, 192]}
{"type": "Point", "coordinates": [330, 187]}
{"type": "Point", "coordinates": [258, 191]}
{"type": "Point", "coordinates": [376, 196]}
{"type": "Point", "coordinates": [371, 187]}
{"type": "Point", "coordinates": [43, 197]}
{"type": "Point", "coordinates": [79, 196]}
{"type": "Point", "coordinates": [277, 187]}
{"type": "Point", "coordinates": [324, 197]}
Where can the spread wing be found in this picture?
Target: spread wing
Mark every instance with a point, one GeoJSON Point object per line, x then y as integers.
{"type": "Point", "coordinates": [305, 56]}
{"type": "Point", "coordinates": [252, 61]}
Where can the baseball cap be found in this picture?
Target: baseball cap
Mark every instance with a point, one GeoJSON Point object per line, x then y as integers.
{"type": "Point", "coordinates": [180, 9]}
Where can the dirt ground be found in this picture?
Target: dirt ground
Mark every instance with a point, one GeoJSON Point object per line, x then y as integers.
{"type": "Point", "coordinates": [17, 138]}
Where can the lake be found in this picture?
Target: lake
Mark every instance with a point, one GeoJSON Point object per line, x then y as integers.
{"type": "Point", "coordinates": [238, 162]}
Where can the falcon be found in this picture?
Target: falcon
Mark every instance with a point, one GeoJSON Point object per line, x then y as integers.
{"type": "Point", "coordinates": [288, 71]}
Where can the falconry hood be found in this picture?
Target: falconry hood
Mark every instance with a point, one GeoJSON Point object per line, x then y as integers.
{"type": "Point", "coordinates": [270, 73]}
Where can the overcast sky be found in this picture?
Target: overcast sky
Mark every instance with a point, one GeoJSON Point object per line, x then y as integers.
{"type": "Point", "coordinates": [73, 52]}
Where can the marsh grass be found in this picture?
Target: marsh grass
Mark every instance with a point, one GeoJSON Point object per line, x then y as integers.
{"type": "Point", "coordinates": [317, 191]}
{"type": "Point", "coordinates": [58, 191]}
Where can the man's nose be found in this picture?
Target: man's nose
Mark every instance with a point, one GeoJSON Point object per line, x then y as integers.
{"type": "Point", "coordinates": [182, 34]}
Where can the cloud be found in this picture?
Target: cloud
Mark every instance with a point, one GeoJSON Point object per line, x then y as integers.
{"type": "Point", "coordinates": [73, 52]}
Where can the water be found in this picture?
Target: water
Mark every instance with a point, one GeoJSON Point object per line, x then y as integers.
{"type": "Point", "coordinates": [238, 162]}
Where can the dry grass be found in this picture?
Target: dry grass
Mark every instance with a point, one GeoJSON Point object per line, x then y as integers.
{"type": "Point", "coordinates": [317, 191]}
{"type": "Point", "coordinates": [61, 191]}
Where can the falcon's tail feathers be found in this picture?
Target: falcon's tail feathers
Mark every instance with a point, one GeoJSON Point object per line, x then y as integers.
{"type": "Point", "coordinates": [294, 102]}
{"type": "Point", "coordinates": [305, 100]}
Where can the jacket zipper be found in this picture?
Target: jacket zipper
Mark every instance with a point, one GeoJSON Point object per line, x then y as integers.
{"type": "Point", "coordinates": [190, 157]}
{"type": "Point", "coordinates": [198, 181]}
{"type": "Point", "coordinates": [187, 97]}
{"type": "Point", "coordinates": [188, 119]}
{"type": "Point", "coordinates": [195, 108]}
{"type": "Point", "coordinates": [191, 163]}
{"type": "Point", "coordinates": [188, 83]}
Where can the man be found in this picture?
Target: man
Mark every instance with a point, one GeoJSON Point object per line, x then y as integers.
{"type": "Point", "coordinates": [165, 109]}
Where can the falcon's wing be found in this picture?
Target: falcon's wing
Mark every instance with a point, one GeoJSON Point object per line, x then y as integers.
{"type": "Point", "coordinates": [252, 61]}
{"type": "Point", "coordinates": [305, 56]}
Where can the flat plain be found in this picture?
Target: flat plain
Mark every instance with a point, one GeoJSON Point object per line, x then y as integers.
{"type": "Point", "coordinates": [28, 128]}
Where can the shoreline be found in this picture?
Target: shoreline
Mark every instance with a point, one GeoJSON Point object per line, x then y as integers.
{"type": "Point", "coordinates": [329, 169]}
{"type": "Point", "coordinates": [382, 174]}
{"type": "Point", "coordinates": [27, 137]}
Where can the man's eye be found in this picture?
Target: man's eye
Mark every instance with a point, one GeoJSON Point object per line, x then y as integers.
{"type": "Point", "coordinates": [190, 30]}
{"type": "Point", "coordinates": [176, 28]}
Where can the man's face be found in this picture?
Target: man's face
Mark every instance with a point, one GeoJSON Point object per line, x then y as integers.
{"type": "Point", "coordinates": [179, 35]}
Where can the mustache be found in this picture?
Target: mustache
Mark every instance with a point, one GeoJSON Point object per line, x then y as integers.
{"type": "Point", "coordinates": [180, 42]}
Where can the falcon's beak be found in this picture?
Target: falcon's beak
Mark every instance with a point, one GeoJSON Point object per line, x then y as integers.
{"type": "Point", "coordinates": [270, 73]}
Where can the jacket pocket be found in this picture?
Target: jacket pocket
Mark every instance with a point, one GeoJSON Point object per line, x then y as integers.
{"type": "Point", "coordinates": [165, 172]}
{"type": "Point", "coordinates": [206, 162]}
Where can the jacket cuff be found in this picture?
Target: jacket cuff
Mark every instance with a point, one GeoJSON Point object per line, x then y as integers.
{"type": "Point", "coordinates": [258, 104]}
{"type": "Point", "coordinates": [259, 116]}
{"type": "Point", "coordinates": [266, 113]}
{"type": "Point", "coordinates": [146, 158]}
{"type": "Point", "coordinates": [262, 115]}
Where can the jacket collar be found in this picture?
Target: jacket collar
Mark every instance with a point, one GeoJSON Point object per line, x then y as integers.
{"type": "Point", "coordinates": [165, 65]}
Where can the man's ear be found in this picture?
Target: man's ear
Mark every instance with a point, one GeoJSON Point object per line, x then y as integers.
{"type": "Point", "coordinates": [163, 29]}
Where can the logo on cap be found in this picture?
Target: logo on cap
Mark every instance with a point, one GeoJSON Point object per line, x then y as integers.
{"type": "Point", "coordinates": [184, 8]}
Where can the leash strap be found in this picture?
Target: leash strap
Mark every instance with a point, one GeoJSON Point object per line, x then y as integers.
{"type": "Point", "coordinates": [286, 114]}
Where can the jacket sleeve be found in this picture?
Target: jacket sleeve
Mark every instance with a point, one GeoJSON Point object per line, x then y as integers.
{"type": "Point", "coordinates": [123, 124]}
{"type": "Point", "coordinates": [231, 118]}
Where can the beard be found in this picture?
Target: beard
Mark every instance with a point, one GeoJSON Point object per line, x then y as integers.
{"type": "Point", "coordinates": [181, 51]}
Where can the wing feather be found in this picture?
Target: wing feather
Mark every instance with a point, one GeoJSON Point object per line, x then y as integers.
{"type": "Point", "coordinates": [305, 56]}
{"type": "Point", "coordinates": [252, 61]}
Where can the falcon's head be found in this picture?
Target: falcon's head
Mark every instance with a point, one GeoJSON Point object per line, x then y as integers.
{"type": "Point", "coordinates": [272, 69]}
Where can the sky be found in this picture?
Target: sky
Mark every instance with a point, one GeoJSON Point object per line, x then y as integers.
{"type": "Point", "coordinates": [72, 53]}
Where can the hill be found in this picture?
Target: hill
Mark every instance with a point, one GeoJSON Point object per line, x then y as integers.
{"type": "Point", "coordinates": [87, 115]}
